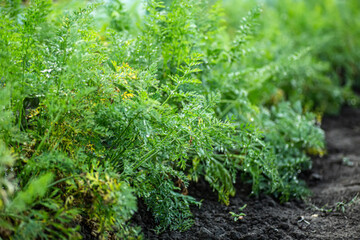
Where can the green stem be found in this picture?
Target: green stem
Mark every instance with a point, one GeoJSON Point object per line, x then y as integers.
{"type": "Point", "coordinates": [171, 94]}
{"type": "Point", "coordinates": [151, 153]}
{"type": "Point", "coordinates": [117, 141]}
{"type": "Point", "coordinates": [114, 155]}
{"type": "Point", "coordinates": [127, 127]}
{"type": "Point", "coordinates": [11, 215]}
{"type": "Point", "coordinates": [63, 63]}
{"type": "Point", "coordinates": [227, 109]}
{"type": "Point", "coordinates": [62, 180]}
{"type": "Point", "coordinates": [47, 134]}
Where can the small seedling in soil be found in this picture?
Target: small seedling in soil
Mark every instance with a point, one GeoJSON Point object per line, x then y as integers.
{"type": "Point", "coordinates": [342, 205]}
{"type": "Point", "coordinates": [324, 208]}
{"type": "Point", "coordinates": [239, 216]}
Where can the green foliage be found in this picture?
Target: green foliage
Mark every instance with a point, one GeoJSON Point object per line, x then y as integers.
{"type": "Point", "coordinates": [20, 217]}
{"type": "Point", "coordinates": [292, 134]}
{"type": "Point", "coordinates": [324, 33]}
{"type": "Point", "coordinates": [164, 198]}
{"type": "Point", "coordinates": [28, 195]}
{"type": "Point", "coordinates": [7, 184]}
{"type": "Point", "coordinates": [100, 108]}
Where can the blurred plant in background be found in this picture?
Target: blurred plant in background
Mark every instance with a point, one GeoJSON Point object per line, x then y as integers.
{"type": "Point", "coordinates": [317, 42]}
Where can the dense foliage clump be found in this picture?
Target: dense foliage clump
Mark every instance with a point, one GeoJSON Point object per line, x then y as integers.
{"type": "Point", "coordinates": [103, 104]}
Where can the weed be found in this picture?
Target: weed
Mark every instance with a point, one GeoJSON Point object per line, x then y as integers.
{"type": "Point", "coordinates": [238, 216]}
{"type": "Point", "coordinates": [341, 206]}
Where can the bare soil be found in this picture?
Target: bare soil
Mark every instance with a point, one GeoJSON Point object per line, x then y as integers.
{"type": "Point", "coordinates": [332, 212]}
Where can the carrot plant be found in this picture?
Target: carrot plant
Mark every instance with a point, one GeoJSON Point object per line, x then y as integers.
{"type": "Point", "coordinates": [98, 112]}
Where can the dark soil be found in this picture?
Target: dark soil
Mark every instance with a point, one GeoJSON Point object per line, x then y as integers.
{"type": "Point", "coordinates": [332, 212]}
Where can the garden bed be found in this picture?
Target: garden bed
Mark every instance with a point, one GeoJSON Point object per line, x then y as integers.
{"type": "Point", "coordinates": [109, 114]}
{"type": "Point", "coordinates": [332, 212]}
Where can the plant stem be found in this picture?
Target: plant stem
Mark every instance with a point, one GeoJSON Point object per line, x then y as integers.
{"type": "Point", "coordinates": [47, 134]}
{"type": "Point", "coordinates": [151, 153]}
